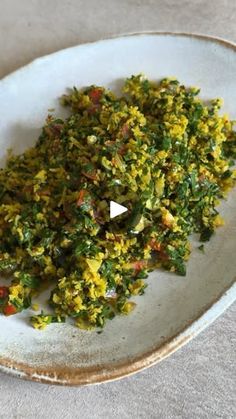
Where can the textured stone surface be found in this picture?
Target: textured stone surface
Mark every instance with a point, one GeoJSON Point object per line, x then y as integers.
{"type": "Point", "coordinates": [199, 380]}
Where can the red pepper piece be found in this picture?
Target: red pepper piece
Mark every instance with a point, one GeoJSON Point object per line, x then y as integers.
{"type": "Point", "coordinates": [95, 95]}
{"type": "Point", "coordinates": [9, 309]}
{"type": "Point", "coordinates": [4, 291]}
{"type": "Point", "coordinates": [139, 265]}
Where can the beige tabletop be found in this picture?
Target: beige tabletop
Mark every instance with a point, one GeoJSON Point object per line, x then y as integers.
{"type": "Point", "coordinates": [198, 381]}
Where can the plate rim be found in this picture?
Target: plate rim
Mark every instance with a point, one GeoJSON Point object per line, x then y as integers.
{"type": "Point", "coordinates": [94, 375]}
{"type": "Point", "coordinates": [210, 38]}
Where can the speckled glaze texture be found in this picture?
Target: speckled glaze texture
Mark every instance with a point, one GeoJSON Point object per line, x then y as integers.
{"type": "Point", "coordinates": [174, 309]}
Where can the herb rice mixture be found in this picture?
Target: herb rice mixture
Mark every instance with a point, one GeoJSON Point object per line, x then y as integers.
{"type": "Point", "coordinates": [159, 151]}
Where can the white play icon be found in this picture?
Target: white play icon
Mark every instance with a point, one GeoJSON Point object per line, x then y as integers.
{"type": "Point", "coordinates": [116, 209]}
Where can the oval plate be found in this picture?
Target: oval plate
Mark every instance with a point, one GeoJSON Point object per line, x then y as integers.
{"type": "Point", "coordinates": [174, 309]}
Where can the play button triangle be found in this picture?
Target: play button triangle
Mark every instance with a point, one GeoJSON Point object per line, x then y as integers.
{"type": "Point", "coordinates": [116, 209]}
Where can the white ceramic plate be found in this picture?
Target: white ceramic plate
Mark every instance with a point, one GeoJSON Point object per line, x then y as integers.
{"type": "Point", "coordinates": [174, 309]}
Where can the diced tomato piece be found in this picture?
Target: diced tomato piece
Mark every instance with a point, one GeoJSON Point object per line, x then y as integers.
{"type": "Point", "coordinates": [139, 265]}
{"type": "Point", "coordinates": [202, 177]}
{"type": "Point", "coordinates": [122, 150]}
{"type": "Point", "coordinates": [109, 143]}
{"type": "Point", "coordinates": [155, 245]}
{"type": "Point", "coordinates": [117, 238]}
{"type": "Point", "coordinates": [98, 215]}
{"type": "Point", "coordinates": [57, 128]}
{"type": "Point", "coordinates": [4, 292]}
{"type": "Point", "coordinates": [95, 95]}
{"type": "Point", "coordinates": [9, 310]}
{"type": "Point", "coordinates": [80, 200]}
{"type": "Point", "coordinates": [163, 256]}
{"type": "Point", "coordinates": [92, 109]}
{"type": "Point", "coordinates": [125, 130]}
